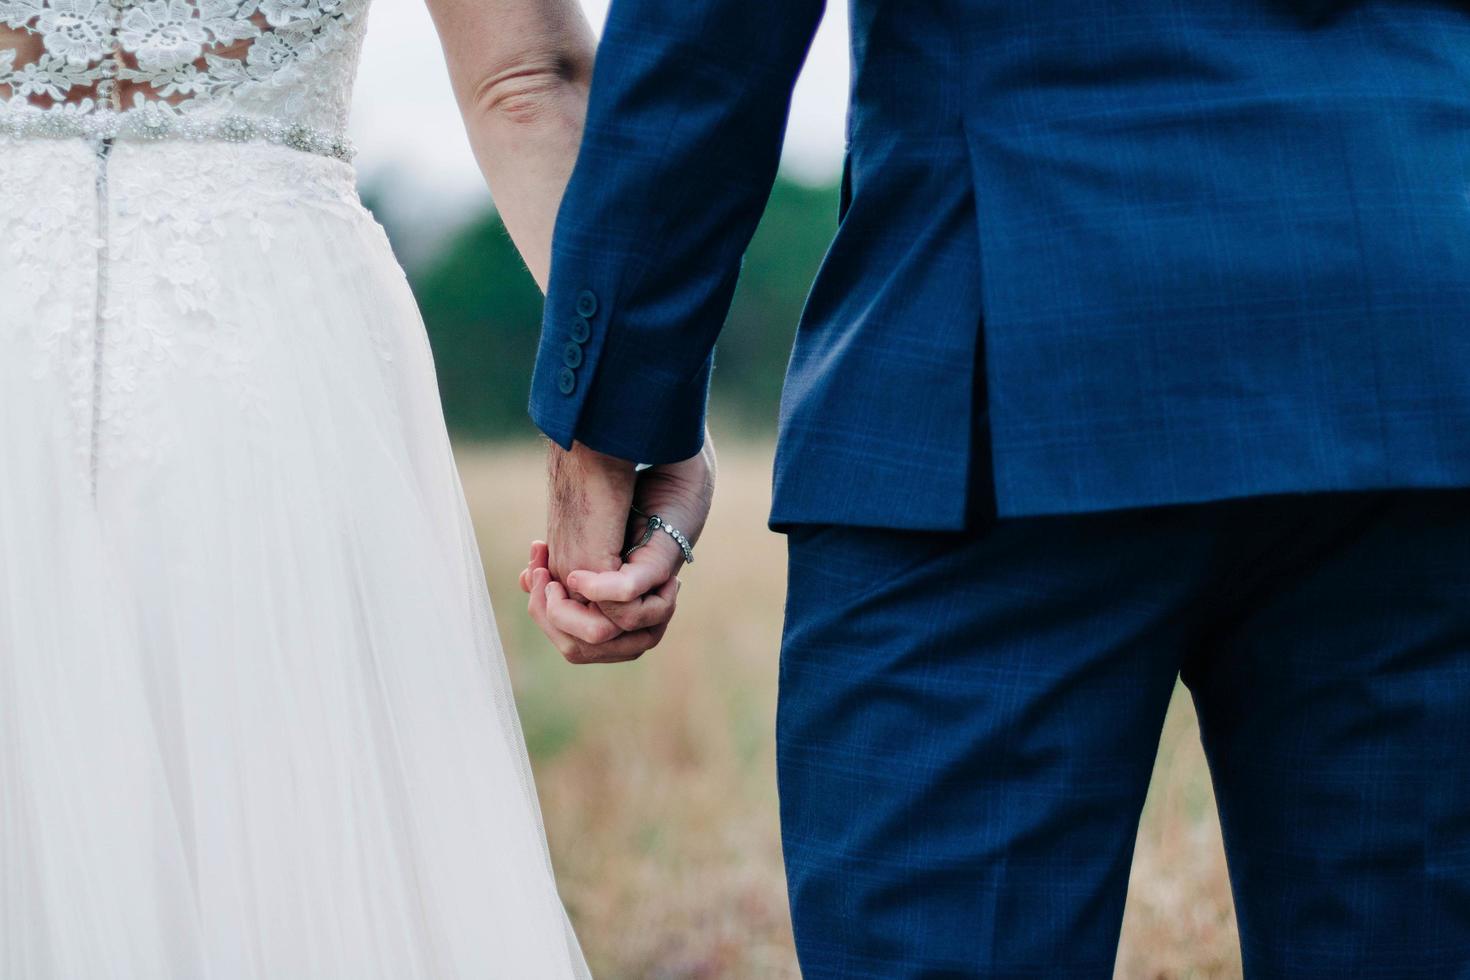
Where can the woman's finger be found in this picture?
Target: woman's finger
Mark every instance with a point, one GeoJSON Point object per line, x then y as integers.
{"type": "Point", "coordinates": [577, 620]}
{"type": "Point", "coordinates": [546, 593]}
{"type": "Point", "coordinates": [627, 646]}
{"type": "Point", "coordinates": [646, 570]}
{"type": "Point", "coordinates": [564, 644]}
{"type": "Point", "coordinates": [645, 612]}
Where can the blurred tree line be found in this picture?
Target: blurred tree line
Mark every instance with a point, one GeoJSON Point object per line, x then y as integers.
{"type": "Point", "coordinates": [483, 313]}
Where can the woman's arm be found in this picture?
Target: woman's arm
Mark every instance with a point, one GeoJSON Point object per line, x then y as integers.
{"type": "Point", "coordinates": [521, 70]}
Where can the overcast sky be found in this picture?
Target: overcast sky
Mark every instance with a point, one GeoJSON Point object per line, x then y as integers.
{"type": "Point", "coordinates": [405, 121]}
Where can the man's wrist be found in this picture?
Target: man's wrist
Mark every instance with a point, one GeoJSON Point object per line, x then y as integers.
{"type": "Point", "coordinates": [585, 457]}
{"type": "Point", "coordinates": [586, 473]}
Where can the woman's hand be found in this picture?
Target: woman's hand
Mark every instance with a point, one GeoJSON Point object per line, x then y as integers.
{"type": "Point", "coordinates": [521, 71]}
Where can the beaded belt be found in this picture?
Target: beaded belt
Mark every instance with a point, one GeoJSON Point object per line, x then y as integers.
{"type": "Point", "coordinates": [151, 123]}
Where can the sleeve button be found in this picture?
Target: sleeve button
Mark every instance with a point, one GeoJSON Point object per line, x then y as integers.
{"type": "Point", "coordinates": [566, 381]}
{"type": "Point", "coordinates": [581, 330]}
{"type": "Point", "coordinates": [587, 303]}
{"type": "Point", "coordinates": [571, 354]}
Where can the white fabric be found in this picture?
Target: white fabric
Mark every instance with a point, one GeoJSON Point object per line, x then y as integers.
{"type": "Point", "coordinates": [254, 718]}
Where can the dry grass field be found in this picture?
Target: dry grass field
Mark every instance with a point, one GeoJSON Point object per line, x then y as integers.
{"type": "Point", "coordinates": [658, 778]}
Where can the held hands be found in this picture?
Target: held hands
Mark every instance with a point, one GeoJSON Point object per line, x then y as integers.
{"type": "Point", "coordinates": [593, 604]}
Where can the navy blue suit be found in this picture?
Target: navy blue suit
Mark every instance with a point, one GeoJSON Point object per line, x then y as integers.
{"type": "Point", "coordinates": [1095, 260]}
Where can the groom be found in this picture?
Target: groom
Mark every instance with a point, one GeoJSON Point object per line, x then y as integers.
{"type": "Point", "coordinates": [1142, 351]}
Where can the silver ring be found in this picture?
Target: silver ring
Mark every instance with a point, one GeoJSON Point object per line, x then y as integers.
{"type": "Point", "coordinates": [656, 524]}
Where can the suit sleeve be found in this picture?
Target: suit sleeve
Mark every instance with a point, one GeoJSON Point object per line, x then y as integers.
{"type": "Point", "coordinates": [688, 112]}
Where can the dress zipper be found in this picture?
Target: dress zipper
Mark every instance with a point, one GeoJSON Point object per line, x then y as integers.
{"type": "Point", "coordinates": [99, 320]}
{"type": "Point", "coordinates": [108, 92]}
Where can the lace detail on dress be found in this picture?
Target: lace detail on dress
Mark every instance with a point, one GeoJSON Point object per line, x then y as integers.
{"type": "Point", "coordinates": [241, 70]}
{"type": "Point", "coordinates": [190, 239]}
{"type": "Point", "coordinates": [189, 259]}
{"type": "Point", "coordinates": [48, 268]}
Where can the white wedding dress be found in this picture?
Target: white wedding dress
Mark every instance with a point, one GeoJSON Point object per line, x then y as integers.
{"type": "Point", "coordinates": [254, 717]}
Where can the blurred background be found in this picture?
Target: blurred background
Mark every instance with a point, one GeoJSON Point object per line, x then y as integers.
{"type": "Point", "coordinates": [658, 779]}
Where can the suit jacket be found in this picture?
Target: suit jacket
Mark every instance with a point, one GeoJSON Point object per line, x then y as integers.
{"type": "Point", "coordinates": [1091, 255]}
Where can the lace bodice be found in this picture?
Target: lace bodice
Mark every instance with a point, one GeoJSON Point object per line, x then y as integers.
{"type": "Point", "coordinates": [239, 70]}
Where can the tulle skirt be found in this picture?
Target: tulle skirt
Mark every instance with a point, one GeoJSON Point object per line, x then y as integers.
{"type": "Point", "coordinates": [254, 717]}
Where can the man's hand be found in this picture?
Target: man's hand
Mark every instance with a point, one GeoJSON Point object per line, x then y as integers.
{"type": "Point", "coordinates": [636, 595]}
{"type": "Point", "coordinates": [595, 607]}
{"type": "Point", "coordinates": [589, 498]}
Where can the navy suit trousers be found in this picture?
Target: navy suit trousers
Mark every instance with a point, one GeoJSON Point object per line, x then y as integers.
{"type": "Point", "coordinates": [968, 722]}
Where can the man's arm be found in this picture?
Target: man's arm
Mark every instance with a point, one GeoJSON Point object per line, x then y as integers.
{"type": "Point", "coordinates": [684, 130]}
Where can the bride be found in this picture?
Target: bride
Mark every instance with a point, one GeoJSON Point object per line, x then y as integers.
{"type": "Point", "coordinates": [254, 717]}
